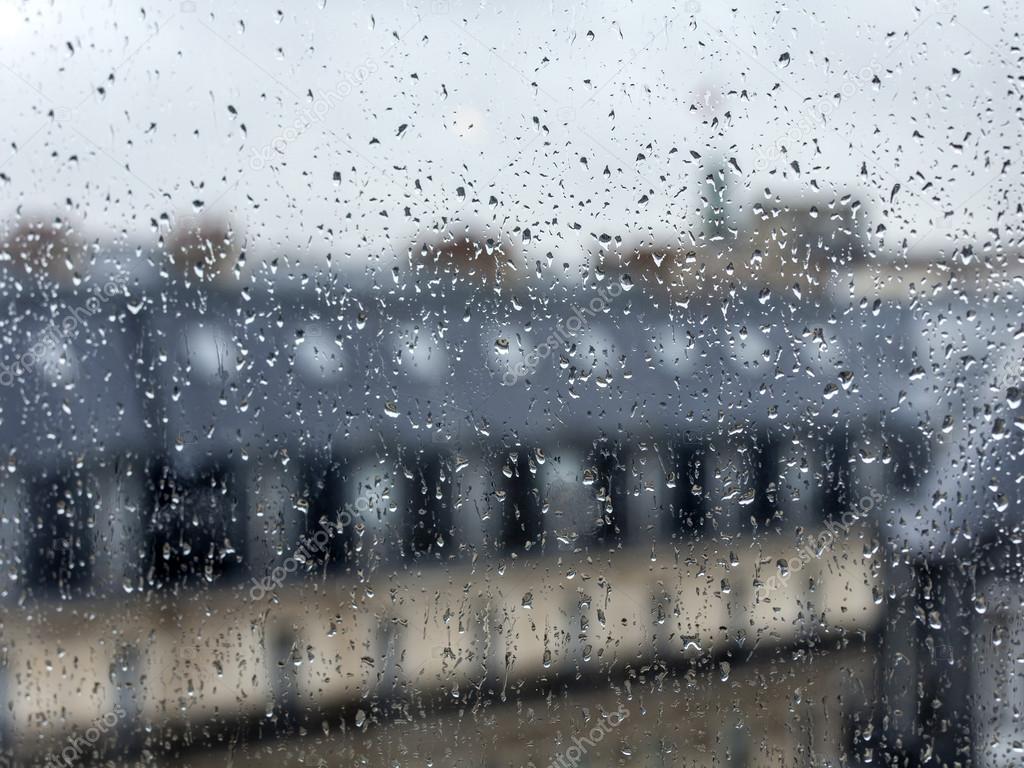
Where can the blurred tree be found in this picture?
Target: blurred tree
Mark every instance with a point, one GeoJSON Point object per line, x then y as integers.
{"type": "Point", "coordinates": [205, 249]}
{"type": "Point", "coordinates": [42, 247]}
{"type": "Point", "coordinates": [469, 257]}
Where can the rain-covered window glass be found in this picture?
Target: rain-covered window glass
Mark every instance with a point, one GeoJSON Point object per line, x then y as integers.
{"type": "Point", "coordinates": [569, 384]}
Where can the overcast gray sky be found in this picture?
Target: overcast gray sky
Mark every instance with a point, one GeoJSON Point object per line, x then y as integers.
{"type": "Point", "coordinates": [565, 113]}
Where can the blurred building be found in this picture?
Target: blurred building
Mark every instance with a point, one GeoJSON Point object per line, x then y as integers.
{"type": "Point", "coordinates": [308, 520]}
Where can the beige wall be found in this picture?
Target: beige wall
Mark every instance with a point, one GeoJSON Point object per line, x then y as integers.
{"type": "Point", "coordinates": [206, 655]}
